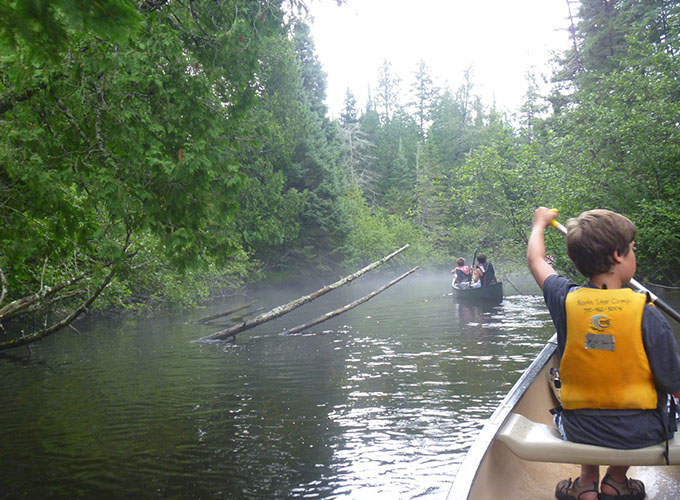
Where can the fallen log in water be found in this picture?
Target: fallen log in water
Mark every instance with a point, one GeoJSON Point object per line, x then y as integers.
{"type": "Point", "coordinates": [224, 313]}
{"type": "Point", "coordinates": [237, 319]}
{"type": "Point", "coordinates": [286, 308]}
{"type": "Point", "coordinates": [363, 299]}
{"type": "Point", "coordinates": [242, 317]}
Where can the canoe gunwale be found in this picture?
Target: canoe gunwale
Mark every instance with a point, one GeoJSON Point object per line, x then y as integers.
{"type": "Point", "coordinates": [489, 293]}
{"type": "Point", "coordinates": [467, 471]}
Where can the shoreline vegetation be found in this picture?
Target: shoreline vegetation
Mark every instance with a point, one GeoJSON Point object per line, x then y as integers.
{"type": "Point", "coordinates": [184, 150]}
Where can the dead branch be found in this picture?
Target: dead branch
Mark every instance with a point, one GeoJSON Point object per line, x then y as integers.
{"type": "Point", "coordinates": [3, 293]}
{"type": "Point", "coordinates": [8, 102]}
{"type": "Point", "coordinates": [17, 306]}
{"type": "Point", "coordinates": [352, 305]}
{"type": "Point", "coordinates": [224, 313]}
{"type": "Point", "coordinates": [236, 319]}
{"type": "Point", "coordinates": [286, 308]}
{"type": "Point", "coordinates": [27, 339]}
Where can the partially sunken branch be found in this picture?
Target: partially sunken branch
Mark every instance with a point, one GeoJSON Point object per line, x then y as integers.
{"type": "Point", "coordinates": [27, 339]}
{"type": "Point", "coordinates": [286, 308]}
{"type": "Point", "coordinates": [352, 305]}
{"type": "Point", "coordinates": [207, 319]}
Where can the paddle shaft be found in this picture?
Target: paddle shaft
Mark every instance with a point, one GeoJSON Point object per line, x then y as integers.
{"type": "Point", "coordinates": [635, 285]}
{"type": "Point", "coordinates": [472, 267]}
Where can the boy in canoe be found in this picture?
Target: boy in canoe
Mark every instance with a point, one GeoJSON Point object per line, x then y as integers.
{"type": "Point", "coordinates": [618, 355]}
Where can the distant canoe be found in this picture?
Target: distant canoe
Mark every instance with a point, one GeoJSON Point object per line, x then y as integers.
{"type": "Point", "coordinates": [488, 294]}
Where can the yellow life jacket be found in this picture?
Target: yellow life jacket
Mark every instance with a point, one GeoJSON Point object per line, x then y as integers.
{"type": "Point", "coordinates": [604, 364]}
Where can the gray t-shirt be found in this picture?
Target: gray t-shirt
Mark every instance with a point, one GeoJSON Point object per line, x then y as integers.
{"type": "Point", "coordinates": [623, 429]}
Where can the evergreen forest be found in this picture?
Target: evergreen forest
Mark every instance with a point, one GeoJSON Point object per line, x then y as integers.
{"type": "Point", "coordinates": [155, 153]}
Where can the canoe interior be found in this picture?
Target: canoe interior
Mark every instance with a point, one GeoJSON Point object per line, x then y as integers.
{"type": "Point", "coordinates": [501, 473]}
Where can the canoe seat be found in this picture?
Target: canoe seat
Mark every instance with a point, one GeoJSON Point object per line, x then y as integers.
{"type": "Point", "coordinates": [538, 442]}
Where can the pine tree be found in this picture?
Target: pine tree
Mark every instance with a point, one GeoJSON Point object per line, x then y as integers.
{"type": "Point", "coordinates": [349, 110]}
{"type": "Point", "coordinates": [388, 92]}
{"type": "Point", "coordinates": [423, 93]}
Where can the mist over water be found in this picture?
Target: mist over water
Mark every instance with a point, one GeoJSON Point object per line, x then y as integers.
{"type": "Point", "coordinates": [379, 402]}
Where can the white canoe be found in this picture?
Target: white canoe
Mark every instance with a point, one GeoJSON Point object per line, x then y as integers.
{"type": "Point", "coordinates": [520, 455]}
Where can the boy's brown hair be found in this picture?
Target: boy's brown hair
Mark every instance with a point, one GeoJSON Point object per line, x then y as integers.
{"type": "Point", "coordinates": [460, 261]}
{"type": "Point", "coordinates": [594, 236]}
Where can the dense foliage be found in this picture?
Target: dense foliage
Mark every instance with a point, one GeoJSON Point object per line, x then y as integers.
{"type": "Point", "coordinates": [186, 147]}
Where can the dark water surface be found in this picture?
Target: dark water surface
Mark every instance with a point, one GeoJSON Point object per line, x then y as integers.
{"type": "Point", "coordinates": [380, 402]}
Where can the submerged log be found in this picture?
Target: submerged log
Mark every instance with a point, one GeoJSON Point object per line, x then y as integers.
{"type": "Point", "coordinates": [286, 308]}
{"type": "Point", "coordinates": [241, 317]}
{"type": "Point", "coordinates": [224, 313]}
{"type": "Point", "coordinates": [352, 305]}
{"type": "Point", "coordinates": [237, 319]}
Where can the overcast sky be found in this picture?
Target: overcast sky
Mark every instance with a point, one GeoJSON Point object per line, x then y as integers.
{"type": "Point", "coordinates": [499, 39]}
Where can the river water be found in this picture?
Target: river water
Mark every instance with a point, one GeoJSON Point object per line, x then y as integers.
{"type": "Point", "coordinates": [379, 402]}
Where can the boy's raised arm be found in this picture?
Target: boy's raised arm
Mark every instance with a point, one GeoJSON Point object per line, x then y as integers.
{"type": "Point", "coordinates": [538, 266]}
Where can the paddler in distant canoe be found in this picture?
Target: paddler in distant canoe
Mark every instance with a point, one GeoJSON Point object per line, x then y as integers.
{"type": "Point", "coordinates": [462, 274]}
{"type": "Point", "coordinates": [484, 273]}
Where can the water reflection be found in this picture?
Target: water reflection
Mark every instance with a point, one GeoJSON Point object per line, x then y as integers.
{"type": "Point", "coordinates": [415, 399]}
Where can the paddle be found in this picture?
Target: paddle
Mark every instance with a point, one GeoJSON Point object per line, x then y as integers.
{"type": "Point", "coordinates": [472, 267]}
{"type": "Point", "coordinates": [634, 284]}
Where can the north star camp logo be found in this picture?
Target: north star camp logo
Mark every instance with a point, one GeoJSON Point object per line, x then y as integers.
{"type": "Point", "coordinates": [600, 322]}
{"type": "Point", "coordinates": [600, 341]}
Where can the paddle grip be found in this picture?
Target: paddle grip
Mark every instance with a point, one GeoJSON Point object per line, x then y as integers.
{"type": "Point", "coordinates": [634, 284]}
